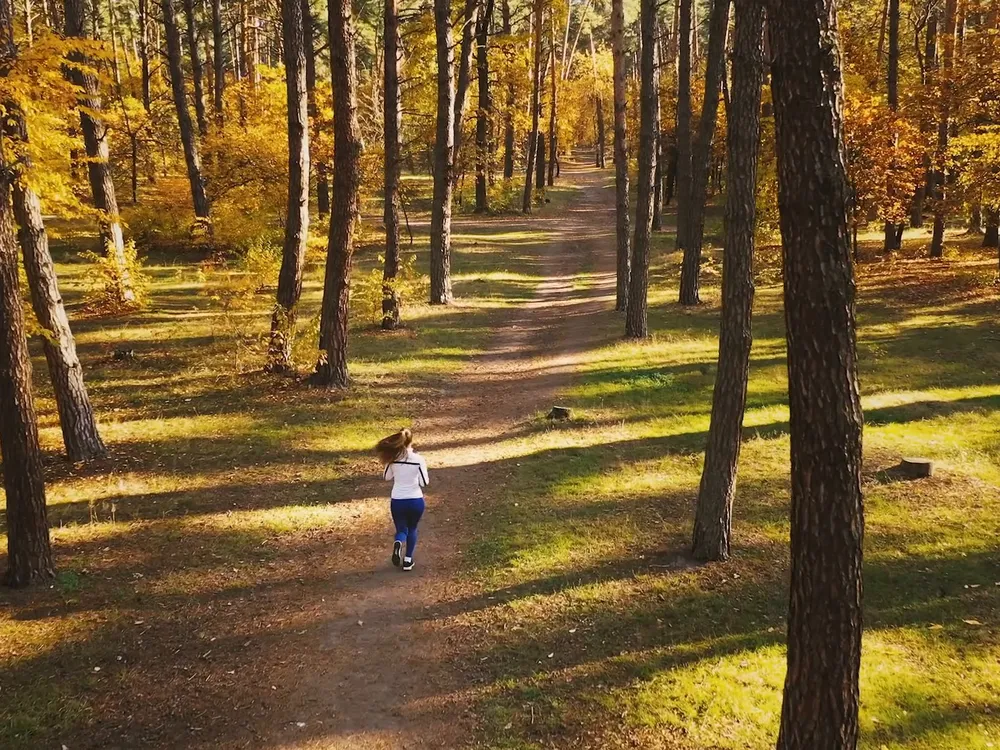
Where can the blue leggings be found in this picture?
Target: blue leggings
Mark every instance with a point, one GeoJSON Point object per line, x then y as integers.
{"type": "Point", "coordinates": [406, 515]}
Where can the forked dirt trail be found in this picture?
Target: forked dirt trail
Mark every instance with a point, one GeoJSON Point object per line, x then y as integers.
{"type": "Point", "coordinates": [384, 672]}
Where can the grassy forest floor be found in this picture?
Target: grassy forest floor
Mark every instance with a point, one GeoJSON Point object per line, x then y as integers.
{"type": "Point", "coordinates": [224, 577]}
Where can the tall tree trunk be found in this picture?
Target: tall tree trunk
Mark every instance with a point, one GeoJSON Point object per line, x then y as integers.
{"type": "Point", "coordinates": [392, 129]}
{"type": "Point", "coordinates": [508, 134]}
{"type": "Point", "coordinates": [540, 161]}
{"type": "Point", "coordinates": [622, 240]}
{"type": "Point", "coordinates": [219, 60]}
{"type": "Point", "coordinates": [147, 100]}
{"type": "Point", "coordinates": [553, 103]}
{"type": "Point", "coordinates": [536, 84]}
{"type": "Point", "coordinates": [702, 156]}
{"type": "Point", "coordinates": [927, 190]}
{"type": "Point", "coordinates": [293, 254]}
{"type": "Point", "coordinates": [990, 235]}
{"type": "Point", "coordinates": [444, 159]}
{"type": "Point", "coordinates": [635, 317]}
{"type": "Point", "coordinates": [714, 513]}
{"type": "Point", "coordinates": [95, 137]}
{"type": "Point", "coordinates": [173, 38]}
{"type": "Point", "coordinates": [820, 707]}
{"type": "Point", "coordinates": [196, 70]}
{"type": "Point", "coordinates": [892, 87]}
{"type": "Point", "coordinates": [658, 130]}
{"type": "Point", "coordinates": [599, 105]}
{"type": "Point", "coordinates": [944, 123]}
{"type": "Point", "coordinates": [29, 554]}
{"type": "Point", "coordinates": [683, 120]}
{"type": "Point", "coordinates": [485, 108]}
{"type": "Point", "coordinates": [331, 370]}
{"type": "Point", "coordinates": [464, 79]}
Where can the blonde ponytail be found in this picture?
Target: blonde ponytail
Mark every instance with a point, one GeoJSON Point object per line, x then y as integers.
{"type": "Point", "coordinates": [390, 448]}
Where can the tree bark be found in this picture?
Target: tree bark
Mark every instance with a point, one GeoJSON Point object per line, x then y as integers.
{"type": "Point", "coordinates": [173, 38]}
{"type": "Point", "coordinates": [464, 79]}
{"type": "Point", "coordinates": [820, 706]}
{"type": "Point", "coordinates": [892, 232]}
{"type": "Point", "coordinates": [485, 108]}
{"type": "Point", "coordinates": [508, 136]}
{"type": "Point", "coordinates": [331, 370]}
{"type": "Point", "coordinates": [944, 123]}
{"type": "Point", "coordinates": [992, 222]}
{"type": "Point", "coordinates": [95, 137]}
{"type": "Point", "coordinates": [714, 512]}
{"type": "Point", "coordinates": [392, 128]}
{"type": "Point", "coordinates": [444, 159]}
{"type": "Point", "coordinates": [219, 60]}
{"type": "Point", "coordinates": [29, 553]}
{"type": "Point", "coordinates": [553, 103]}
{"type": "Point", "coordinates": [599, 160]}
{"type": "Point", "coordinates": [622, 239]}
{"type": "Point", "coordinates": [927, 190]}
{"type": "Point", "coordinates": [147, 100]}
{"type": "Point", "coordinates": [658, 130]}
{"type": "Point", "coordinates": [536, 84]}
{"type": "Point", "coordinates": [293, 253]}
{"type": "Point", "coordinates": [196, 68]}
{"type": "Point", "coordinates": [635, 318]}
{"type": "Point", "coordinates": [683, 136]}
{"type": "Point", "coordinates": [702, 156]}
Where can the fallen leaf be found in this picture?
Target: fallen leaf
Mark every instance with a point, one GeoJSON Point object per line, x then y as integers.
{"type": "Point", "coordinates": [972, 622]}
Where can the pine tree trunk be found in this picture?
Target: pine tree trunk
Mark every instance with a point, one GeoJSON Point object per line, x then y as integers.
{"type": "Point", "coordinates": [683, 137]}
{"type": "Point", "coordinates": [76, 416]}
{"type": "Point", "coordinates": [820, 707]}
{"type": "Point", "coordinates": [29, 554]}
{"type": "Point", "coordinates": [540, 161]}
{"type": "Point", "coordinates": [444, 159]}
{"type": "Point", "coordinates": [464, 79]}
{"type": "Point", "coordinates": [174, 61]}
{"type": "Point", "coordinates": [219, 61]}
{"type": "Point", "coordinates": [147, 100]}
{"type": "Point", "coordinates": [702, 155]}
{"type": "Point", "coordinates": [196, 69]}
{"type": "Point", "coordinates": [635, 318]}
{"type": "Point", "coordinates": [944, 123]}
{"type": "Point", "coordinates": [622, 239]}
{"type": "Point", "coordinates": [599, 160]}
{"type": "Point", "coordinates": [927, 190]}
{"type": "Point", "coordinates": [293, 256]}
{"type": "Point", "coordinates": [331, 370]}
{"type": "Point", "coordinates": [536, 84]}
{"type": "Point", "coordinates": [658, 173]}
{"type": "Point", "coordinates": [891, 229]}
{"type": "Point", "coordinates": [553, 103]}
{"type": "Point", "coordinates": [485, 108]}
{"type": "Point", "coordinates": [508, 136]}
{"type": "Point", "coordinates": [95, 139]}
{"type": "Point", "coordinates": [714, 512]}
{"type": "Point", "coordinates": [392, 129]}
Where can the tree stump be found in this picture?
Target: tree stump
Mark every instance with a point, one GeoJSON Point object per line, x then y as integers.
{"type": "Point", "coordinates": [560, 413]}
{"type": "Point", "coordinates": [917, 468]}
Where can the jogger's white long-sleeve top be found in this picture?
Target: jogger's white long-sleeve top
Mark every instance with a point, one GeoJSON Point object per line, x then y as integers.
{"type": "Point", "coordinates": [408, 475]}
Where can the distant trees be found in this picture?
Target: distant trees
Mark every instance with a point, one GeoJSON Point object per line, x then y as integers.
{"type": "Point", "coordinates": [827, 521]}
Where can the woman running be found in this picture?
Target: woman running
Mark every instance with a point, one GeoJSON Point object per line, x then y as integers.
{"type": "Point", "coordinates": [407, 471]}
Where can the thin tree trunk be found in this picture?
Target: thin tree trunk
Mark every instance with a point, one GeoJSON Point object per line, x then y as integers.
{"type": "Point", "coordinates": [892, 87]}
{"type": "Point", "coordinates": [297, 223]}
{"type": "Point", "coordinates": [331, 370]}
{"type": "Point", "coordinates": [702, 156]}
{"type": "Point", "coordinates": [464, 79]}
{"type": "Point", "coordinates": [147, 101]}
{"type": "Point", "coordinates": [444, 159]}
{"type": "Point", "coordinates": [95, 137]}
{"type": "Point", "coordinates": [599, 101]}
{"type": "Point", "coordinates": [635, 318]}
{"type": "Point", "coordinates": [714, 512]}
{"type": "Point", "coordinates": [622, 239]}
{"type": "Point", "coordinates": [553, 103]}
{"type": "Point", "coordinates": [944, 123]}
{"type": "Point", "coordinates": [29, 553]}
{"type": "Point", "coordinates": [173, 38]}
{"type": "Point", "coordinates": [536, 84]}
{"type": "Point", "coordinates": [196, 69]}
{"type": "Point", "coordinates": [658, 131]}
{"type": "Point", "coordinates": [485, 108]}
{"type": "Point", "coordinates": [540, 161]}
{"type": "Point", "coordinates": [508, 136]}
{"type": "Point", "coordinates": [927, 190]}
{"type": "Point", "coordinates": [392, 128]}
{"type": "Point", "coordinates": [220, 62]}
{"type": "Point", "coordinates": [820, 707]}
{"type": "Point", "coordinates": [683, 120]}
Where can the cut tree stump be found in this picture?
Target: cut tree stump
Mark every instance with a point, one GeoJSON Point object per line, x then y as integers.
{"type": "Point", "coordinates": [917, 468]}
{"type": "Point", "coordinates": [560, 412]}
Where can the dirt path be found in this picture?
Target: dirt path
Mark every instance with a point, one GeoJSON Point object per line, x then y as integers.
{"type": "Point", "coordinates": [384, 674]}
